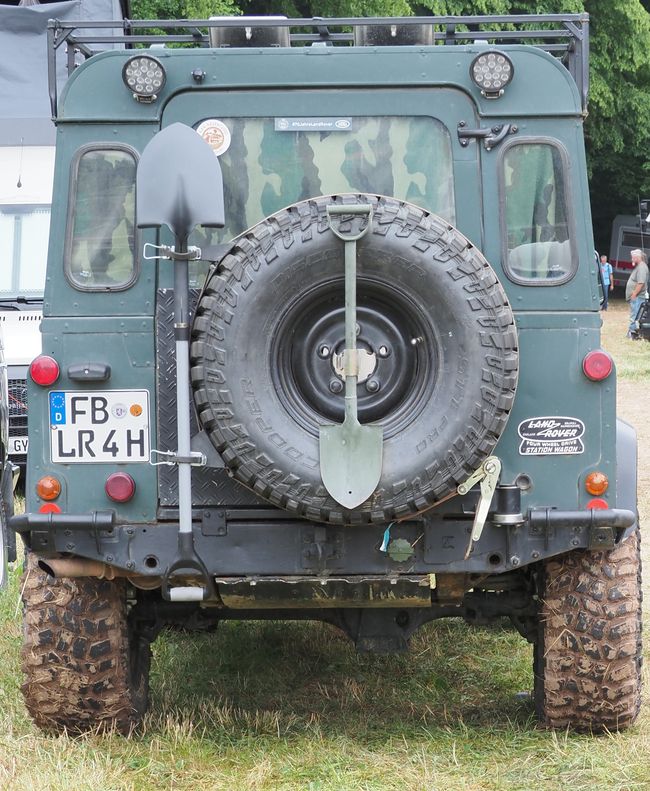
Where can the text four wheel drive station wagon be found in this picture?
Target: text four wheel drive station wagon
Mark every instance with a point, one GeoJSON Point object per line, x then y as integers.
{"type": "Point", "coordinates": [322, 341]}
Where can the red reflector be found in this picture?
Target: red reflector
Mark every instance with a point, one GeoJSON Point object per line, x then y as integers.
{"type": "Point", "coordinates": [120, 487]}
{"type": "Point", "coordinates": [49, 508]}
{"type": "Point", "coordinates": [44, 370]}
{"type": "Point", "coordinates": [597, 365]}
{"type": "Point", "coordinates": [598, 504]}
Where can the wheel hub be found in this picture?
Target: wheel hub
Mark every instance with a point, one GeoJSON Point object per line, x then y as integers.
{"type": "Point", "coordinates": [393, 355]}
{"type": "Point", "coordinates": [366, 364]}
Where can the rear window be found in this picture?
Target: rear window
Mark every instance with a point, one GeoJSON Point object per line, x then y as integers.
{"type": "Point", "coordinates": [270, 163]}
{"type": "Point", "coordinates": [535, 214]}
{"type": "Point", "coordinates": [100, 241]}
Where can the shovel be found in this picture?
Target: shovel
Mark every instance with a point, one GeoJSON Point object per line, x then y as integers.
{"type": "Point", "coordinates": [350, 454]}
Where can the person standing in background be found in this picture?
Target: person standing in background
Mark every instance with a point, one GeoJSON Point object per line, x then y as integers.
{"type": "Point", "coordinates": [636, 289]}
{"type": "Point", "coordinates": [608, 283]}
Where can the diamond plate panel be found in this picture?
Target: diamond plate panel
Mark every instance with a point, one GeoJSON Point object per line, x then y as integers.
{"type": "Point", "coordinates": [210, 485]}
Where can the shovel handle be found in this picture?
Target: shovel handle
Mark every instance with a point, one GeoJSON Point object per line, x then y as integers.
{"type": "Point", "coordinates": [356, 209]}
{"type": "Point", "coordinates": [350, 240]}
{"type": "Point", "coordinates": [186, 561]}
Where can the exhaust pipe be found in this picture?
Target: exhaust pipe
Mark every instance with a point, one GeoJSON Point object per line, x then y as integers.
{"type": "Point", "coordinates": [83, 567]}
{"type": "Point", "coordinates": [79, 567]}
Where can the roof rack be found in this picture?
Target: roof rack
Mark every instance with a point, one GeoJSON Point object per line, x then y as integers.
{"type": "Point", "coordinates": [566, 36]}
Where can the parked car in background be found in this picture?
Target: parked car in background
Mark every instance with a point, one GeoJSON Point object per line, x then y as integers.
{"type": "Point", "coordinates": [27, 169]}
{"type": "Point", "coordinates": [8, 478]}
{"type": "Point", "coordinates": [627, 235]}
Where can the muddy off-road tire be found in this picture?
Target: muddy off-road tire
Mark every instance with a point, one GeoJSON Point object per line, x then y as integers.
{"type": "Point", "coordinates": [588, 656]}
{"type": "Point", "coordinates": [429, 308]}
{"type": "Point", "coordinates": [84, 667]}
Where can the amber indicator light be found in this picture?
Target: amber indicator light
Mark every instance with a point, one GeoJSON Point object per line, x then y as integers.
{"type": "Point", "coordinates": [596, 482]}
{"type": "Point", "coordinates": [48, 488]}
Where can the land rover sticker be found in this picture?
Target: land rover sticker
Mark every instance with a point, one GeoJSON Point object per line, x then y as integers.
{"type": "Point", "coordinates": [216, 134]}
{"type": "Point", "coordinates": [551, 436]}
{"type": "Point", "coordinates": [313, 124]}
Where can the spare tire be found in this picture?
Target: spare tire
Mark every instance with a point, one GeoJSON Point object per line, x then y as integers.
{"type": "Point", "coordinates": [436, 324]}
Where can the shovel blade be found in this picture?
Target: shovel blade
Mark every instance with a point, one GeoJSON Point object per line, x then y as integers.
{"type": "Point", "coordinates": [350, 461]}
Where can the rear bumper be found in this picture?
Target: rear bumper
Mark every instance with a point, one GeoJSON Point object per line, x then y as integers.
{"type": "Point", "coordinates": [260, 542]}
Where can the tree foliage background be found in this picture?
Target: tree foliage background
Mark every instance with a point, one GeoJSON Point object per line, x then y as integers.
{"type": "Point", "coordinates": [618, 126]}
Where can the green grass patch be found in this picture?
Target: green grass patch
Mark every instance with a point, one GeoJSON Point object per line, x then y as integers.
{"type": "Point", "coordinates": [269, 706]}
{"type": "Point", "coordinates": [284, 706]}
{"type": "Point", "coordinates": [632, 357]}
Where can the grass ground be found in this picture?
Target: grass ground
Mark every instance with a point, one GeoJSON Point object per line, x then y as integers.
{"type": "Point", "coordinates": [267, 706]}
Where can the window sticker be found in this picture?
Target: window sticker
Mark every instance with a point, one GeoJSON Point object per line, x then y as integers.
{"type": "Point", "coordinates": [313, 124]}
{"type": "Point", "coordinates": [216, 134]}
{"type": "Point", "coordinates": [551, 436]}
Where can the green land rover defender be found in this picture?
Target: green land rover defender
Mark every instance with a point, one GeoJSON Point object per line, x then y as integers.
{"type": "Point", "coordinates": [321, 340]}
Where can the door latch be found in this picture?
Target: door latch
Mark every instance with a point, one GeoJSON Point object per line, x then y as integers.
{"type": "Point", "coordinates": [491, 136]}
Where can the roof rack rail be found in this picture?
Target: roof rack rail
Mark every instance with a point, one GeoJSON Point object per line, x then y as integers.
{"type": "Point", "coordinates": [566, 36]}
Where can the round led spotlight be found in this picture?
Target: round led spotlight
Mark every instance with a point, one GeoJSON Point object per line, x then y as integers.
{"type": "Point", "coordinates": [491, 72]}
{"type": "Point", "coordinates": [144, 76]}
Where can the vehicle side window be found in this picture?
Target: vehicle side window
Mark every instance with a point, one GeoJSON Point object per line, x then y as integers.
{"type": "Point", "coordinates": [100, 238]}
{"type": "Point", "coordinates": [24, 232]}
{"type": "Point", "coordinates": [535, 214]}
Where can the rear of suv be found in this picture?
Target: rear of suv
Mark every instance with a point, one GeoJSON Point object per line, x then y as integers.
{"type": "Point", "coordinates": [321, 340]}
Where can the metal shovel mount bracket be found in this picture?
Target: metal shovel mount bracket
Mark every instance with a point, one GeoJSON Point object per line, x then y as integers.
{"type": "Point", "coordinates": [170, 253]}
{"type": "Point", "coordinates": [350, 454]}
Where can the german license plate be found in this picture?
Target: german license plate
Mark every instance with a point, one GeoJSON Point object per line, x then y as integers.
{"type": "Point", "coordinates": [106, 426]}
{"type": "Point", "coordinates": [18, 446]}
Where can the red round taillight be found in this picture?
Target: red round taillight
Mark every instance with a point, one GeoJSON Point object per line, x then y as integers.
{"type": "Point", "coordinates": [598, 504]}
{"type": "Point", "coordinates": [597, 365]}
{"type": "Point", "coordinates": [120, 487]}
{"type": "Point", "coordinates": [44, 370]}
